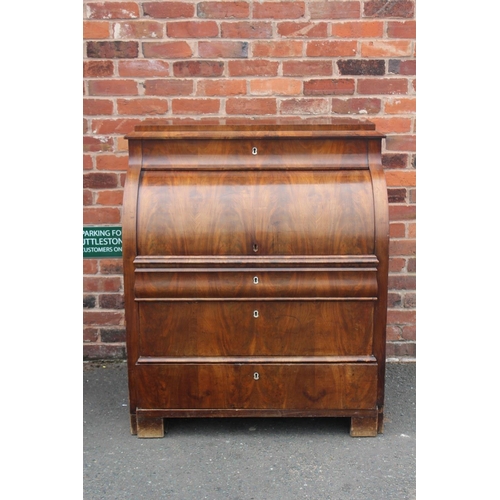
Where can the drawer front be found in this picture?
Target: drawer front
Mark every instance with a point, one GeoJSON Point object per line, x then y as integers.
{"type": "Point", "coordinates": [255, 153]}
{"type": "Point", "coordinates": [230, 284]}
{"type": "Point", "coordinates": [256, 328]}
{"type": "Point", "coordinates": [271, 386]}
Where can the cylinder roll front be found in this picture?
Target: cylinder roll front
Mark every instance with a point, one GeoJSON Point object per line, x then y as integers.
{"type": "Point", "coordinates": [270, 212]}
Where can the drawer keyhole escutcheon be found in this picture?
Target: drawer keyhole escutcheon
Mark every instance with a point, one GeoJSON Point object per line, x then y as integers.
{"type": "Point", "coordinates": [256, 376]}
{"type": "Point", "coordinates": [255, 280]}
{"type": "Point", "coordinates": [255, 247]}
{"type": "Point", "coordinates": [256, 314]}
{"type": "Point", "coordinates": [254, 150]}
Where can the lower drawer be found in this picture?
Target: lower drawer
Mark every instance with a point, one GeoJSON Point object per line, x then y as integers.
{"type": "Point", "coordinates": [216, 284]}
{"type": "Point", "coordinates": [256, 328]}
{"type": "Point", "coordinates": [292, 386]}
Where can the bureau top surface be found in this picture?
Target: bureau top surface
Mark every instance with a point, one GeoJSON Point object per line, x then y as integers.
{"type": "Point", "coordinates": [229, 129]}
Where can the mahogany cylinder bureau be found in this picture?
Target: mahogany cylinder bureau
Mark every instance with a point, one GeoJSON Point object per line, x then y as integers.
{"type": "Point", "coordinates": [255, 271]}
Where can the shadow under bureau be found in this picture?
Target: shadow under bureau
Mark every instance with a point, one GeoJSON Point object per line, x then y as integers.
{"type": "Point", "coordinates": [255, 270]}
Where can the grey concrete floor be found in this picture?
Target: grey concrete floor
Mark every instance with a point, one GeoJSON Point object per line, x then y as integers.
{"type": "Point", "coordinates": [246, 458]}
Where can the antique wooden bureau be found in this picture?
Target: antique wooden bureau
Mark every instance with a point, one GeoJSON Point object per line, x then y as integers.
{"type": "Point", "coordinates": [255, 271]}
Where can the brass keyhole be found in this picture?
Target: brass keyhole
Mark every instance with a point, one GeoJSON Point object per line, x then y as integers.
{"type": "Point", "coordinates": [256, 376]}
{"type": "Point", "coordinates": [256, 314]}
{"type": "Point", "coordinates": [255, 280]}
{"type": "Point", "coordinates": [254, 150]}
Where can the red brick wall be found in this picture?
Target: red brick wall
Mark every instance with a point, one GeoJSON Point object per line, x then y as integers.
{"type": "Point", "coordinates": [192, 59]}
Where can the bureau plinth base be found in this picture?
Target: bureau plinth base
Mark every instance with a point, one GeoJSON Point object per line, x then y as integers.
{"type": "Point", "coordinates": [149, 427]}
{"type": "Point", "coordinates": [364, 426]}
{"type": "Point", "coordinates": [150, 423]}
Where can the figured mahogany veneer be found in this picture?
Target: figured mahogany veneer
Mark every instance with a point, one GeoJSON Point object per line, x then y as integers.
{"type": "Point", "coordinates": [255, 267]}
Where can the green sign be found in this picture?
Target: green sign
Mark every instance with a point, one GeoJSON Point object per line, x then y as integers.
{"type": "Point", "coordinates": [102, 242]}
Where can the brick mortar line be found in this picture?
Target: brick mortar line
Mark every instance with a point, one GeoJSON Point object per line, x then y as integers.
{"type": "Point", "coordinates": [254, 96]}
{"type": "Point", "coordinates": [159, 116]}
{"type": "Point", "coordinates": [260, 40]}
{"type": "Point", "coordinates": [113, 97]}
{"type": "Point", "coordinates": [117, 116]}
{"type": "Point", "coordinates": [274, 95]}
{"type": "Point", "coordinates": [195, 78]}
{"type": "Point", "coordinates": [263, 40]}
{"type": "Point", "coordinates": [391, 76]}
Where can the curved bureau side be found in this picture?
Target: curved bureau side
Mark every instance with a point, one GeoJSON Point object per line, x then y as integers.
{"type": "Point", "coordinates": [381, 210]}
{"type": "Point", "coordinates": [129, 230]}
